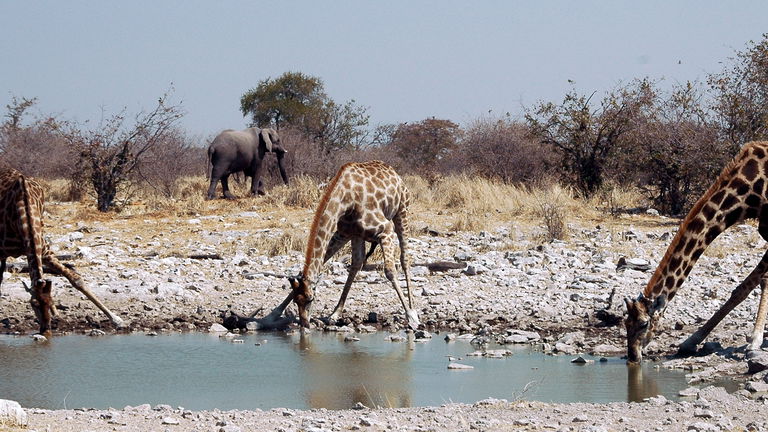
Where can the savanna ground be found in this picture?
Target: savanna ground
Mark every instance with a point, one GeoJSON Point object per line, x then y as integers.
{"type": "Point", "coordinates": [545, 262]}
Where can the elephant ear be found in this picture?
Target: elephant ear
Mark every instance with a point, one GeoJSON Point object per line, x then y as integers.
{"type": "Point", "coordinates": [267, 140]}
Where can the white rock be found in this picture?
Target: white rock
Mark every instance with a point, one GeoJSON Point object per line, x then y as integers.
{"type": "Point", "coordinates": [217, 328]}
{"type": "Point", "coordinates": [11, 413]}
{"type": "Point", "coordinates": [459, 366]}
{"type": "Point", "coordinates": [170, 421]}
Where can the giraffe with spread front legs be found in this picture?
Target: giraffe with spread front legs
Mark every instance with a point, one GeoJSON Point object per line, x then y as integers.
{"type": "Point", "coordinates": [21, 233]}
{"type": "Point", "coordinates": [365, 202]}
{"type": "Point", "coordinates": [739, 193]}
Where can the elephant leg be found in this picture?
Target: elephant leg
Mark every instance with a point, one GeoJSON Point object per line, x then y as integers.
{"type": "Point", "coordinates": [280, 166]}
{"type": "Point", "coordinates": [257, 187]}
{"type": "Point", "coordinates": [225, 187]}
{"type": "Point", "coordinates": [212, 188]}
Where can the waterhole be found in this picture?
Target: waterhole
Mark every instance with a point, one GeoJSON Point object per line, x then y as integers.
{"type": "Point", "coordinates": [202, 371]}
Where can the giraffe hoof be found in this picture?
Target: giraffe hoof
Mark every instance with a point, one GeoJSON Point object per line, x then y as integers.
{"type": "Point", "coordinates": [413, 320]}
{"type": "Point", "coordinates": [118, 322]}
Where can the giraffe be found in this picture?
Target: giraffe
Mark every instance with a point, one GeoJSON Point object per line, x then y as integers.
{"type": "Point", "coordinates": [365, 201]}
{"type": "Point", "coordinates": [21, 233]}
{"type": "Point", "coordinates": [739, 193]}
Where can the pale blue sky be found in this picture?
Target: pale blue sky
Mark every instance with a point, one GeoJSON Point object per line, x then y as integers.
{"type": "Point", "coordinates": [405, 60]}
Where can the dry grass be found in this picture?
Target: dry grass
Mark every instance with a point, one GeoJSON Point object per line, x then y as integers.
{"type": "Point", "coordinates": [455, 203]}
{"type": "Point", "coordinates": [291, 240]}
{"type": "Point", "coordinates": [303, 192]}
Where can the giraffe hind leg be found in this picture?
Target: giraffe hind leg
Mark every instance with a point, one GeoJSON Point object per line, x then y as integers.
{"type": "Point", "coordinates": [388, 247]}
{"type": "Point", "coordinates": [78, 283]}
{"type": "Point", "coordinates": [400, 222]}
{"type": "Point", "coordinates": [756, 340]}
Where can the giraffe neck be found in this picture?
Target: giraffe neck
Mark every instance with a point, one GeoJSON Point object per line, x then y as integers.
{"type": "Point", "coordinates": [707, 220]}
{"type": "Point", "coordinates": [29, 222]}
{"type": "Point", "coordinates": [323, 227]}
{"type": "Point", "coordinates": [317, 243]}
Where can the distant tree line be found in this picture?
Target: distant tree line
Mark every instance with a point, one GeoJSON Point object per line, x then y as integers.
{"type": "Point", "coordinates": [670, 141]}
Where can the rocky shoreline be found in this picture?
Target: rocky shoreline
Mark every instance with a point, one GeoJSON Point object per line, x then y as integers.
{"type": "Point", "coordinates": [710, 409]}
{"type": "Point", "coordinates": [170, 274]}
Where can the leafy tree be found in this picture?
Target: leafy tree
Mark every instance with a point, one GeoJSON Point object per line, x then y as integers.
{"type": "Point", "coordinates": [110, 153]}
{"type": "Point", "coordinates": [585, 136]}
{"type": "Point", "coordinates": [675, 148]}
{"type": "Point", "coordinates": [741, 95]}
{"type": "Point", "coordinates": [422, 145]}
{"type": "Point", "coordinates": [298, 100]}
{"type": "Point", "coordinates": [290, 99]}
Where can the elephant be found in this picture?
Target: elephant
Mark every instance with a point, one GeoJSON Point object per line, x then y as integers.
{"type": "Point", "coordinates": [243, 151]}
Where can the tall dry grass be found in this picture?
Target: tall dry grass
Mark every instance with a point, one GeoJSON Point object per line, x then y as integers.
{"type": "Point", "coordinates": [460, 202]}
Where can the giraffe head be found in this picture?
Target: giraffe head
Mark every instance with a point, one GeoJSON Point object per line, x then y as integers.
{"type": "Point", "coordinates": [42, 304]}
{"type": "Point", "coordinates": [303, 297]}
{"type": "Point", "coordinates": [643, 317]}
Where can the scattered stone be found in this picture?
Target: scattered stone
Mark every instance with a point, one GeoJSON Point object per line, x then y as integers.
{"type": "Point", "coordinates": [450, 337]}
{"type": "Point", "coordinates": [422, 334]}
{"type": "Point", "coordinates": [39, 338]}
{"type": "Point", "coordinates": [351, 338]}
{"type": "Point", "coordinates": [581, 360]}
{"type": "Point", "coordinates": [689, 392]}
{"type": "Point", "coordinates": [497, 353]}
{"type": "Point", "coordinates": [757, 362]}
{"type": "Point", "coordinates": [703, 427]}
{"type": "Point", "coordinates": [217, 328]}
{"type": "Point", "coordinates": [757, 386]}
{"type": "Point", "coordinates": [170, 421]}
{"type": "Point", "coordinates": [703, 413]}
{"type": "Point", "coordinates": [460, 366]}
{"type": "Point", "coordinates": [638, 264]}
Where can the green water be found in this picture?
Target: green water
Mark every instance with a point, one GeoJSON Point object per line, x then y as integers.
{"type": "Point", "coordinates": [269, 370]}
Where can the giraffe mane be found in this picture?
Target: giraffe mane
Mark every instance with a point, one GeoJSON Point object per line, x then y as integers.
{"type": "Point", "coordinates": [319, 214]}
{"type": "Point", "coordinates": [716, 185]}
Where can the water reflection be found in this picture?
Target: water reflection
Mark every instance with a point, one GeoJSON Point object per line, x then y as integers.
{"type": "Point", "coordinates": [640, 384]}
{"type": "Point", "coordinates": [270, 370]}
{"type": "Point", "coordinates": [355, 374]}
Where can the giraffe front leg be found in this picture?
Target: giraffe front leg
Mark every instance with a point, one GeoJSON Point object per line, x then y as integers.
{"type": "Point", "coordinates": [358, 259]}
{"type": "Point", "coordinates": [274, 319]}
{"type": "Point", "coordinates": [739, 294]}
{"type": "Point", "coordinates": [388, 247]}
{"type": "Point", "coordinates": [400, 222]}
{"type": "Point", "coordinates": [756, 340]}
{"type": "Point", "coordinates": [78, 283]}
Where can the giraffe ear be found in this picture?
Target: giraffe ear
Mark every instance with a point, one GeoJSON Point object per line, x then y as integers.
{"type": "Point", "coordinates": [294, 283]}
{"type": "Point", "coordinates": [631, 307]}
